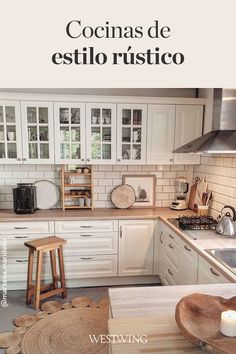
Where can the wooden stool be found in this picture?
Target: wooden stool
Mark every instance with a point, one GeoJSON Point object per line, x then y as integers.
{"type": "Point", "coordinates": [40, 246]}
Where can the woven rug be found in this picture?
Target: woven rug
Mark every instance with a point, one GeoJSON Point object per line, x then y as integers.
{"type": "Point", "coordinates": [69, 328]}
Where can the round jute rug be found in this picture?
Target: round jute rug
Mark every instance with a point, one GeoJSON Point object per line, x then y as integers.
{"type": "Point", "coordinates": [67, 332]}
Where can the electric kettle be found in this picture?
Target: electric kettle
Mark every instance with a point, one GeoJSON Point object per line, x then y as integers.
{"type": "Point", "coordinates": [226, 223]}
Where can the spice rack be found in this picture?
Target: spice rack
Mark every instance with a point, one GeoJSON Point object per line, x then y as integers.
{"type": "Point", "coordinates": [77, 188]}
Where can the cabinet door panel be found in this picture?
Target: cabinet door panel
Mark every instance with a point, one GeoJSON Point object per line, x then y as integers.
{"type": "Point", "coordinates": [189, 122]}
{"type": "Point", "coordinates": [101, 133]}
{"type": "Point", "coordinates": [207, 274]}
{"type": "Point", "coordinates": [10, 132]}
{"type": "Point", "coordinates": [131, 133]}
{"type": "Point", "coordinates": [70, 135]}
{"type": "Point", "coordinates": [37, 132]}
{"type": "Point", "coordinates": [189, 265]}
{"type": "Point", "coordinates": [160, 133]}
{"type": "Point", "coordinates": [136, 248]}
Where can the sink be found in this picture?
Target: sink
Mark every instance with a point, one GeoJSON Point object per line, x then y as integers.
{"type": "Point", "coordinates": [226, 256]}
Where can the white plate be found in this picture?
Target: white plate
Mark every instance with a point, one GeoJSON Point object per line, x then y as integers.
{"type": "Point", "coordinates": [47, 194]}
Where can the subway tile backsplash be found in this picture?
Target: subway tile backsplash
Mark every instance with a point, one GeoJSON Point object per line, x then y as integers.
{"type": "Point", "coordinates": [105, 178]}
{"type": "Point", "coordinates": [220, 174]}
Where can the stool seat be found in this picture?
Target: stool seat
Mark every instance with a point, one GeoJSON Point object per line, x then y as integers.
{"type": "Point", "coordinates": [40, 292]}
{"type": "Point", "coordinates": [45, 243]}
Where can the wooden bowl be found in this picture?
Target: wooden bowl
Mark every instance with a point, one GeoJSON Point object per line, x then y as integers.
{"type": "Point", "coordinates": [198, 317]}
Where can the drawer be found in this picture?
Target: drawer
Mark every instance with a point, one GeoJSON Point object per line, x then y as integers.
{"type": "Point", "coordinates": [90, 267]}
{"type": "Point", "coordinates": [16, 247]}
{"type": "Point", "coordinates": [172, 254]}
{"type": "Point", "coordinates": [18, 228]}
{"type": "Point", "coordinates": [17, 269]}
{"type": "Point", "coordinates": [172, 276]}
{"type": "Point", "coordinates": [90, 243]}
{"type": "Point", "coordinates": [84, 226]}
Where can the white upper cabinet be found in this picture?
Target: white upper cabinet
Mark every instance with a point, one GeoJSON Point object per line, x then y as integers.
{"type": "Point", "coordinates": [70, 134]}
{"type": "Point", "coordinates": [160, 134]}
{"type": "Point", "coordinates": [101, 133]}
{"type": "Point", "coordinates": [10, 132]}
{"type": "Point", "coordinates": [189, 124]}
{"type": "Point", "coordinates": [131, 133]}
{"type": "Point", "coordinates": [37, 132]}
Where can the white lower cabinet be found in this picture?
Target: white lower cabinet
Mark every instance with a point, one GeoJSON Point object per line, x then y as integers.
{"type": "Point", "coordinates": [90, 266]}
{"type": "Point", "coordinates": [189, 265]}
{"type": "Point", "coordinates": [136, 243]}
{"type": "Point", "coordinates": [207, 274]}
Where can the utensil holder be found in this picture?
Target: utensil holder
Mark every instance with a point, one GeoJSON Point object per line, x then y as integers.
{"type": "Point", "coordinates": [202, 210]}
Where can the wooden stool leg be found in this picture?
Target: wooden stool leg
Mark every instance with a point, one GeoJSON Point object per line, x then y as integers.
{"type": "Point", "coordinates": [29, 276]}
{"type": "Point", "coordinates": [38, 279]}
{"type": "Point", "coordinates": [62, 272]}
{"type": "Point", "coordinates": [54, 269]}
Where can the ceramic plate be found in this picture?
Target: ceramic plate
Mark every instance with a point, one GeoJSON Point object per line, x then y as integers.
{"type": "Point", "coordinates": [47, 194]}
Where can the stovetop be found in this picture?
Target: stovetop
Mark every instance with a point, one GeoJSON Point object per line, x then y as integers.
{"type": "Point", "coordinates": [194, 222]}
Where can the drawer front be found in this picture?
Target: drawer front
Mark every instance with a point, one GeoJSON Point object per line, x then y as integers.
{"type": "Point", "coordinates": [172, 275]}
{"type": "Point", "coordinates": [18, 228]}
{"type": "Point", "coordinates": [17, 269]}
{"type": "Point", "coordinates": [91, 243]}
{"type": "Point", "coordinates": [172, 254]}
{"type": "Point", "coordinates": [85, 226]}
{"type": "Point", "coordinates": [207, 274]}
{"type": "Point", "coordinates": [16, 247]}
{"type": "Point", "coordinates": [90, 267]}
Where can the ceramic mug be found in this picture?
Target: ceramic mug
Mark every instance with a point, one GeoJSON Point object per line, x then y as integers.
{"type": "Point", "coordinates": [11, 136]}
{"type": "Point", "coordinates": [94, 120]}
{"type": "Point", "coordinates": [88, 202]}
{"type": "Point", "coordinates": [86, 170]}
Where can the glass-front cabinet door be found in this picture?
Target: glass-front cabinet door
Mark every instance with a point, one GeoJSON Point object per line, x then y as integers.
{"type": "Point", "coordinates": [69, 118]}
{"type": "Point", "coordinates": [37, 132]}
{"type": "Point", "coordinates": [10, 132]}
{"type": "Point", "coordinates": [131, 133]}
{"type": "Point", "coordinates": [101, 133]}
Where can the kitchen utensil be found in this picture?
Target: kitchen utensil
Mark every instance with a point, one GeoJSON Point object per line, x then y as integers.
{"type": "Point", "coordinates": [123, 196]}
{"type": "Point", "coordinates": [202, 210]}
{"type": "Point", "coordinates": [47, 194]}
{"type": "Point", "coordinates": [192, 196]}
{"type": "Point", "coordinates": [226, 223]}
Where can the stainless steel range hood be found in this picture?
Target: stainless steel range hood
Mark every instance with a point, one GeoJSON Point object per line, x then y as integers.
{"type": "Point", "coordinates": [222, 138]}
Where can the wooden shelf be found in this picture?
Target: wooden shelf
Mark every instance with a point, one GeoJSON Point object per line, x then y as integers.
{"type": "Point", "coordinates": [78, 185]}
{"type": "Point", "coordinates": [77, 207]}
{"type": "Point", "coordinates": [65, 188]}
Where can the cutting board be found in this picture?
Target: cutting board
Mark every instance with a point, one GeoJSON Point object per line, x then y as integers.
{"type": "Point", "coordinates": [162, 332]}
{"type": "Point", "coordinates": [192, 194]}
{"type": "Point", "coordinates": [201, 188]}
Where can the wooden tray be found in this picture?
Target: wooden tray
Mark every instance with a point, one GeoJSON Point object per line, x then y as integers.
{"type": "Point", "coordinates": [198, 317]}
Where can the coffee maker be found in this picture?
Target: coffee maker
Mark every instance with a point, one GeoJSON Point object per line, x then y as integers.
{"type": "Point", "coordinates": [24, 197]}
{"type": "Point", "coordinates": [181, 185]}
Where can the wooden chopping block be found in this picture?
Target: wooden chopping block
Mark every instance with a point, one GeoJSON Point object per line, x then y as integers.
{"type": "Point", "coordinates": [192, 196]}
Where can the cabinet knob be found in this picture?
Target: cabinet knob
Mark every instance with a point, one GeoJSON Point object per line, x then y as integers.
{"type": "Point", "coordinates": [88, 159]}
{"type": "Point", "coordinates": [82, 160]}
{"type": "Point", "coordinates": [171, 160]}
{"type": "Point", "coordinates": [18, 159]}
{"type": "Point", "coordinates": [119, 160]}
{"type": "Point", "coordinates": [24, 159]}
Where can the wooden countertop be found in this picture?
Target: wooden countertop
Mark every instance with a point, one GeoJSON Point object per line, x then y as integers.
{"type": "Point", "coordinates": [150, 311]}
{"type": "Point", "coordinates": [96, 214]}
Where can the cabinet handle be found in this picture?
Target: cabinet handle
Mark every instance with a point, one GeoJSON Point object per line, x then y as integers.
{"type": "Point", "coordinates": [86, 258]}
{"type": "Point", "coordinates": [171, 160]}
{"type": "Point", "coordinates": [121, 232]}
{"type": "Point", "coordinates": [187, 249]}
{"type": "Point", "coordinates": [18, 159]}
{"type": "Point", "coordinates": [82, 160]}
{"type": "Point", "coordinates": [214, 272]}
{"type": "Point", "coordinates": [85, 226]}
{"type": "Point", "coordinates": [88, 159]}
{"type": "Point", "coordinates": [171, 246]}
{"type": "Point", "coordinates": [170, 272]}
{"type": "Point", "coordinates": [171, 236]}
{"type": "Point", "coordinates": [24, 159]}
{"type": "Point", "coordinates": [20, 227]}
{"type": "Point", "coordinates": [21, 260]}
{"type": "Point", "coordinates": [21, 236]}
{"type": "Point", "coordinates": [161, 237]}
{"type": "Point", "coordinates": [86, 235]}
{"type": "Point", "coordinates": [119, 160]}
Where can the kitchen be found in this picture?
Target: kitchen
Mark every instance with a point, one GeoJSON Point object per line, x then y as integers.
{"type": "Point", "coordinates": [110, 152]}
